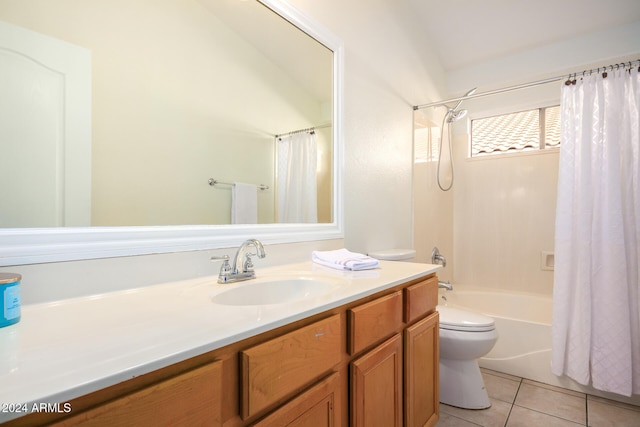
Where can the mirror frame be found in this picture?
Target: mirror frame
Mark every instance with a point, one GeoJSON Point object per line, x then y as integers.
{"type": "Point", "coordinates": [22, 246]}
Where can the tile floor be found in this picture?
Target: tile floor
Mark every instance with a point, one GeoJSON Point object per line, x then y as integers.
{"type": "Point", "coordinates": [517, 402]}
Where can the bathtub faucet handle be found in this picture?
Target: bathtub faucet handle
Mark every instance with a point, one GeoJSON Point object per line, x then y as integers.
{"type": "Point", "coordinates": [437, 257]}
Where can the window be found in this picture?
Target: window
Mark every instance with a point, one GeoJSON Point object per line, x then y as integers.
{"type": "Point", "coordinates": [529, 130]}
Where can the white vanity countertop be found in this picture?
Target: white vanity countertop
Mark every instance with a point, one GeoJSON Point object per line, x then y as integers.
{"type": "Point", "coordinates": [62, 350]}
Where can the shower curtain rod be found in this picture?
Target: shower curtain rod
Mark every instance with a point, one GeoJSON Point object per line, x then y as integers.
{"type": "Point", "coordinates": [628, 64]}
{"type": "Point", "coordinates": [304, 130]}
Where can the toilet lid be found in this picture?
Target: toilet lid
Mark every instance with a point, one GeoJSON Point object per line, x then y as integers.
{"type": "Point", "coordinates": [393, 254]}
{"type": "Point", "coordinates": [462, 320]}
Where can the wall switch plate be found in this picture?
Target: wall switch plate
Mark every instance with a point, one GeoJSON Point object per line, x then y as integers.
{"type": "Point", "coordinates": [547, 260]}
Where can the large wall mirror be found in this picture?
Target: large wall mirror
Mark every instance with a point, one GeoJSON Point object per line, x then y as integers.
{"type": "Point", "coordinates": [141, 127]}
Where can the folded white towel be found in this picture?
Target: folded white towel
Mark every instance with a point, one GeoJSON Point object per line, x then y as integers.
{"type": "Point", "coordinates": [342, 259]}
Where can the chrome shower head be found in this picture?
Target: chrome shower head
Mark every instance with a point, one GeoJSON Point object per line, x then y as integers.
{"type": "Point", "coordinates": [471, 92]}
{"type": "Point", "coordinates": [454, 116]}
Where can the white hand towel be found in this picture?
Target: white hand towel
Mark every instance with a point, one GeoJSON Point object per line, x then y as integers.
{"type": "Point", "coordinates": [244, 203]}
{"type": "Point", "coordinates": [342, 259]}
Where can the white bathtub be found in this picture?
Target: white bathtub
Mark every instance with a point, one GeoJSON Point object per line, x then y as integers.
{"type": "Point", "coordinates": [523, 322]}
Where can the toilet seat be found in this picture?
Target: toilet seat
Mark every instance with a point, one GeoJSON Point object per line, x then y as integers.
{"type": "Point", "coordinates": [466, 321]}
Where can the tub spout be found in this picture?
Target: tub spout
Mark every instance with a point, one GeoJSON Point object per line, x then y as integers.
{"type": "Point", "coordinates": [446, 285]}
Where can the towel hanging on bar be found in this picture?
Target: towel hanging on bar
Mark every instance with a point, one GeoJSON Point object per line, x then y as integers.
{"type": "Point", "coordinates": [244, 204]}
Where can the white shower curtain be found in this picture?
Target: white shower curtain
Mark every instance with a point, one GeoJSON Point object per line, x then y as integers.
{"type": "Point", "coordinates": [296, 184]}
{"type": "Point", "coordinates": [596, 323]}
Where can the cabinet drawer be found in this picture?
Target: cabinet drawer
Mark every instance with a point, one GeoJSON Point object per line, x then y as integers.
{"type": "Point", "coordinates": [188, 399]}
{"type": "Point", "coordinates": [277, 368]}
{"type": "Point", "coordinates": [421, 299]}
{"type": "Point", "coordinates": [372, 322]}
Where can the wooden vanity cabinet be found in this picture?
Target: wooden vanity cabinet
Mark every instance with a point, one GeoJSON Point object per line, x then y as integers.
{"type": "Point", "coordinates": [377, 378]}
{"type": "Point", "coordinates": [396, 383]}
{"type": "Point", "coordinates": [372, 362]}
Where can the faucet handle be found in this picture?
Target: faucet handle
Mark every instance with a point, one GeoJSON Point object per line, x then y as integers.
{"type": "Point", "coordinates": [223, 258]}
{"type": "Point", "coordinates": [247, 266]}
{"type": "Point", "coordinates": [437, 257]}
{"type": "Point", "coordinates": [225, 268]}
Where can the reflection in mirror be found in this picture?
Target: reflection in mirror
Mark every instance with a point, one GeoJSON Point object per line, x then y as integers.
{"type": "Point", "coordinates": [120, 112]}
{"type": "Point", "coordinates": [170, 37]}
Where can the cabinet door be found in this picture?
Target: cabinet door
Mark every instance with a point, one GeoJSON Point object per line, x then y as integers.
{"type": "Point", "coordinates": [376, 386]}
{"type": "Point", "coordinates": [317, 407]}
{"type": "Point", "coordinates": [189, 399]}
{"type": "Point", "coordinates": [421, 369]}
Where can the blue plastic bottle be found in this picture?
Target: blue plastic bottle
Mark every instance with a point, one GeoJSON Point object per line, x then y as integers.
{"type": "Point", "coordinates": [9, 298]}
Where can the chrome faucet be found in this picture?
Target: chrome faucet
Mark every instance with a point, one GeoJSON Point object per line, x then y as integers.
{"type": "Point", "coordinates": [437, 258]}
{"type": "Point", "coordinates": [242, 266]}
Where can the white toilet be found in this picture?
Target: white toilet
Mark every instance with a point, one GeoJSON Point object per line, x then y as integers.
{"type": "Point", "coordinates": [464, 337]}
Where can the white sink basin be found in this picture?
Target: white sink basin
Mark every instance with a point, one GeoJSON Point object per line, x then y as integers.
{"type": "Point", "coordinates": [273, 291]}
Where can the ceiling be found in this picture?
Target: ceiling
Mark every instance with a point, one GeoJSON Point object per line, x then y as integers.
{"type": "Point", "coordinates": [465, 33]}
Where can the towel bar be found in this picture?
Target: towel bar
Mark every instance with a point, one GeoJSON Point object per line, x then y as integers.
{"type": "Point", "coordinates": [213, 181]}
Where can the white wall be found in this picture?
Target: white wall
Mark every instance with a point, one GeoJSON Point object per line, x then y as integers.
{"type": "Point", "coordinates": [389, 67]}
{"type": "Point", "coordinates": [504, 214]}
{"type": "Point", "coordinates": [433, 208]}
